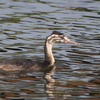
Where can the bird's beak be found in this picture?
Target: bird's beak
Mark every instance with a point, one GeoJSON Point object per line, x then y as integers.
{"type": "Point", "coordinates": [70, 41]}
{"type": "Point", "coordinates": [73, 42]}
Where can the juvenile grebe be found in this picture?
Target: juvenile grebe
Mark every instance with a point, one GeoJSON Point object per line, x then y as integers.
{"type": "Point", "coordinates": [27, 64]}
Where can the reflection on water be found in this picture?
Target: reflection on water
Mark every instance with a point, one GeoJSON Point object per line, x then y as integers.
{"type": "Point", "coordinates": [25, 85]}
{"type": "Point", "coordinates": [24, 24]}
{"type": "Point", "coordinates": [21, 85]}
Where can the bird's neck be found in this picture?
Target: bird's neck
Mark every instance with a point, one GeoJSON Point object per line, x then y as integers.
{"type": "Point", "coordinates": [49, 58]}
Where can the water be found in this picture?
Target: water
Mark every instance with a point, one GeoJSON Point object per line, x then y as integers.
{"type": "Point", "coordinates": [24, 24]}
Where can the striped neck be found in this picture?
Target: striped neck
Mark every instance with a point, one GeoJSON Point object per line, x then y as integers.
{"type": "Point", "coordinates": [49, 58]}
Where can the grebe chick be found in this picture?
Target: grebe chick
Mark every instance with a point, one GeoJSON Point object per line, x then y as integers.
{"type": "Point", "coordinates": [27, 64]}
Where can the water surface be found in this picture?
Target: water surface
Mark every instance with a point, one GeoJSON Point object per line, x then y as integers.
{"type": "Point", "coordinates": [24, 25]}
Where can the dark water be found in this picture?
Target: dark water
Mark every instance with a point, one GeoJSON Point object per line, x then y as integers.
{"type": "Point", "coordinates": [24, 24]}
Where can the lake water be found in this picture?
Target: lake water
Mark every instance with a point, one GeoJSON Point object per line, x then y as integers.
{"type": "Point", "coordinates": [24, 25]}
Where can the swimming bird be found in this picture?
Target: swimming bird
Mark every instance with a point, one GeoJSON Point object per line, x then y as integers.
{"type": "Point", "coordinates": [27, 64]}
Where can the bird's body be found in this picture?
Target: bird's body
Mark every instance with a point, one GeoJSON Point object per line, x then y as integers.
{"type": "Point", "coordinates": [19, 64]}
{"type": "Point", "coordinates": [27, 64]}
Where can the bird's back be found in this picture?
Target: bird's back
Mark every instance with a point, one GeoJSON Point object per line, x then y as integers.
{"type": "Point", "coordinates": [19, 64]}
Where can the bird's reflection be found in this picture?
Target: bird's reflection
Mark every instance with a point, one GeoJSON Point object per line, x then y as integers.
{"type": "Point", "coordinates": [47, 75]}
{"type": "Point", "coordinates": [49, 81]}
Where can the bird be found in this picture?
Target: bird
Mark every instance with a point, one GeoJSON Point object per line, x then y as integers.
{"type": "Point", "coordinates": [28, 64]}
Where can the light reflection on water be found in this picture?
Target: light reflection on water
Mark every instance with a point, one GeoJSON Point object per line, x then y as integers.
{"type": "Point", "coordinates": [23, 28]}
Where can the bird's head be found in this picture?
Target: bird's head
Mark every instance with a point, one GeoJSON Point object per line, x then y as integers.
{"type": "Point", "coordinates": [57, 37]}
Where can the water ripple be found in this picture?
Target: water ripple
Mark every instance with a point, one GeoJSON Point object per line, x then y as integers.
{"type": "Point", "coordinates": [24, 25]}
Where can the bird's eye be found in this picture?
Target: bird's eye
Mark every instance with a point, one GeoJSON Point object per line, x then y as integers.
{"type": "Point", "coordinates": [62, 37]}
{"type": "Point", "coordinates": [53, 37]}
